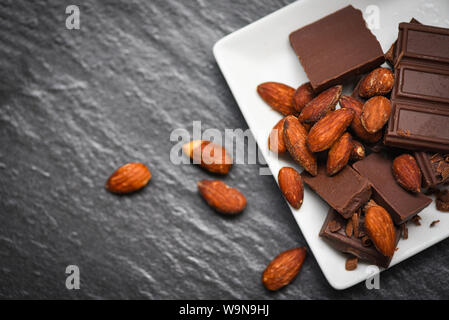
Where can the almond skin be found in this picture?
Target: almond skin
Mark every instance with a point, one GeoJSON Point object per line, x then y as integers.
{"type": "Point", "coordinates": [358, 151]}
{"type": "Point", "coordinates": [128, 178]}
{"type": "Point", "coordinates": [321, 105]}
{"type": "Point", "coordinates": [210, 156]}
{"type": "Point", "coordinates": [375, 113]}
{"type": "Point", "coordinates": [278, 96]}
{"type": "Point", "coordinates": [221, 197]}
{"type": "Point", "coordinates": [407, 173]}
{"type": "Point", "coordinates": [326, 131]}
{"type": "Point", "coordinates": [339, 154]}
{"type": "Point", "coordinates": [378, 82]}
{"type": "Point", "coordinates": [303, 95]}
{"type": "Point", "coordinates": [356, 125]}
{"type": "Point", "coordinates": [290, 183]}
{"type": "Point", "coordinates": [283, 269]}
{"type": "Point", "coordinates": [276, 139]}
{"type": "Point", "coordinates": [380, 229]}
{"type": "Point", "coordinates": [295, 140]}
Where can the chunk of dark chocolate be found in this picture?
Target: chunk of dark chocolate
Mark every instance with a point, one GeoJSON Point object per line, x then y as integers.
{"type": "Point", "coordinates": [345, 192]}
{"type": "Point", "coordinates": [434, 168]}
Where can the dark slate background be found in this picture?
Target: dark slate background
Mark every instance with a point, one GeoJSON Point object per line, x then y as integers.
{"type": "Point", "coordinates": [75, 105]}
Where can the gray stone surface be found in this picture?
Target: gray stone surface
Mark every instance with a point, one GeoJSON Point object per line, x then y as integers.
{"type": "Point", "coordinates": [75, 105]}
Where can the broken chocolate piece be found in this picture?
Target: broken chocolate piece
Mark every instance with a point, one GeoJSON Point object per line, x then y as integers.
{"type": "Point", "coordinates": [400, 204]}
{"type": "Point", "coordinates": [345, 192]}
{"type": "Point", "coordinates": [349, 55]}
{"type": "Point", "coordinates": [434, 223]}
{"type": "Point", "coordinates": [434, 168]}
{"type": "Point", "coordinates": [442, 201]}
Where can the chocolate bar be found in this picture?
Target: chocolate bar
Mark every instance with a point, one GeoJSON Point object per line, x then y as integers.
{"type": "Point", "coordinates": [420, 96]}
{"type": "Point", "coordinates": [336, 48]}
{"type": "Point", "coordinates": [434, 168]}
{"type": "Point", "coordinates": [338, 239]}
{"type": "Point", "coordinates": [400, 204]}
{"type": "Point", "coordinates": [345, 192]}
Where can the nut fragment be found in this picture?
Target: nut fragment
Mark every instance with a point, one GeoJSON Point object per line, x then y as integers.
{"type": "Point", "coordinates": [339, 154]}
{"type": "Point", "coordinates": [276, 139]}
{"type": "Point", "coordinates": [283, 269]}
{"type": "Point", "coordinates": [349, 230]}
{"type": "Point", "coordinates": [222, 197]}
{"type": "Point", "coordinates": [375, 113]}
{"type": "Point", "coordinates": [433, 224]}
{"type": "Point", "coordinates": [128, 178]}
{"type": "Point", "coordinates": [290, 183]}
{"type": "Point", "coordinates": [320, 105]}
{"type": "Point", "coordinates": [303, 95]}
{"type": "Point", "coordinates": [208, 155]}
{"type": "Point", "coordinates": [407, 173]}
{"type": "Point", "coordinates": [278, 96]}
{"type": "Point", "coordinates": [334, 226]}
{"type": "Point", "coordinates": [358, 151]}
{"type": "Point", "coordinates": [356, 223]}
{"type": "Point", "coordinates": [366, 241]}
{"type": "Point", "coordinates": [295, 141]}
{"type": "Point", "coordinates": [380, 81]}
{"type": "Point", "coordinates": [351, 263]}
{"type": "Point", "coordinates": [379, 227]}
{"type": "Point", "coordinates": [404, 231]}
{"type": "Point", "coordinates": [327, 130]}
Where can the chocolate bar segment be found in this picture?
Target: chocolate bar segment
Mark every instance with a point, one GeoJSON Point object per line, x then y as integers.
{"type": "Point", "coordinates": [336, 48]}
{"type": "Point", "coordinates": [434, 168]}
{"type": "Point", "coordinates": [400, 204]}
{"type": "Point", "coordinates": [420, 97]}
{"type": "Point", "coordinates": [352, 245]}
{"type": "Point", "coordinates": [345, 192]}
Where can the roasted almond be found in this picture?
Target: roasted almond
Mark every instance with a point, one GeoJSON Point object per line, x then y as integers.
{"type": "Point", "coordinates": [221, 197]}
{"type": "Point", "coordinates": [375, 113]}
{"type": "Point", "coordinates": [295, 141]}
{"type": "Point", "coordinates": [283, 269]}
{"type": "Point", "coordinates": [321, 105]}
{"type": "Point", "coordinates": [303, 95]}
{"type": "Point", "coordinates": [327, 130]}
{"type": "Point", "coordinates": [339, 154]}
{"type": "Point", "coordinates": [378, 82]}
{"type": "Point", "coordinates": [407, 173]}
{"type": "Point", "coordinates": [380, 229]}
{"type": "Point", "coordinates": [290, 183]}
{"type": "Point", "coordinates": [358, 151]}
{"type": "Point", "coordinates": [278, 96]}
{"type": "Point", "coordinates": [356, 125]}
{"type": "Point", "coordinates": [129, 178]}
{"type": "Point", "coordinates": [276, 139]}
{"type": "Point", "coordinates": [209, 156]}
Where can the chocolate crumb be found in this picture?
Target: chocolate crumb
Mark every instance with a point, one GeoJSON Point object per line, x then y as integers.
{"type": "Point", "coordinates": [432, 191]}
{"type": "Point", "coordinates": [334, 226]}
{"type": "Point", "coordinates": [404, 231]}
{"type": "Point", "coordinates": [416, 219]}
{"type": "Point", "coordinates": [351, 263]}
{"type": "Point", "coordinates": [434, 223]}
{"type": "Point", "coordinates": [442, 201]}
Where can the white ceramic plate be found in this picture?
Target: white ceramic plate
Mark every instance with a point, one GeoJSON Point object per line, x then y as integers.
{"type": "Point", "coordinates": [261, 52]}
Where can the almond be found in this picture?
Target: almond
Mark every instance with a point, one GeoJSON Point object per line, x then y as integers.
{"type": "Point", "coordinates": [380, 229]}
{"type": "Point", "coordinates": [128, 178]}
{"type": "Point", "coordinates": [276, 139]}
{"type": "Point", "coordinates": [278, 96]}
{"type": "Point", "coordinates": [209, 156]}
{"type": "Point", "coordinates": [326, 131]}
{"type": "Point", "coordinates": [283, 269]}
{"type": "Point", "coordinates": [339, 154]}
{"type": "Point", "coordinates": [221, 197]}
{"type": "Point", "coordinates": [356, 125]}
{"type": "Point", "coordinates": [380, 81]}
{"type": "Point", "coordinates": [375, 113]}
{"type": "Point", "coordinates": [358, 151]}
{"type": "Point", "coordinates": [303, 95]}
{"type": "Point", "coordinates": [407, 173]}
{"type": "Point", "coordinates": [295, 141]}
{"type": "Point", "coordinates": [324, 103]}
{"type": "Point", "coordinates": [290, 183]}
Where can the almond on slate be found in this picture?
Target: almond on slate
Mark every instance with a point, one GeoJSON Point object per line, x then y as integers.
{"type": "Point", "coordinates": [339, 154]}
{"type": "Point", "coordinates": [283, 269]}
{"type": "Point", "coordinates": [303, 95]}
{"type": "Point", "coordinates": [375, 113]}
{"type": "Point", "coordinates": [276, 139]}
{"type": "Point", "coordinates": [221, 197]}
{"type": "Point", "coordinates": [407, 173]}
{"type": "Point", "coordinates": [278, 96]}
{"type": "Point", "coordinates": [356, 125]}
{"type": "Point", "coordinates": [327, 130]}
{"type": "Point", "coordinates": [378, 82]}
{"type": "Point", "coordinates": [380, 229]}
{"type": "Point", "coordinates": [295, 141]}
{"type": "Point", "coordinates": [321, 105]}
{"type": "Point", "coordinates": [358, 151]}
{"type": "Point", "coordinates": [128, 178]}
{"type": "Point", "coordinates": [290, 183]}
{"type": "Point", "coordinates": [208, 155]}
